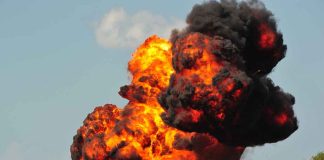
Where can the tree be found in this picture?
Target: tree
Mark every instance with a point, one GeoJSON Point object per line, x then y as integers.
{"type": "Point", "coordinates": [319, 156]}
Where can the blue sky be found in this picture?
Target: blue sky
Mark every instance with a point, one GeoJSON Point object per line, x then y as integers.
{"type": "Point", "coordinates": [54, 70]}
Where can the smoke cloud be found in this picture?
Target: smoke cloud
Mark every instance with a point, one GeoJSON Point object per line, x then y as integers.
{"type": "Point", "coordinates": [221, 87]}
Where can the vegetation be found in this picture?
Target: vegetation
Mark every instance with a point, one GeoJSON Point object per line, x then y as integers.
{"type": "Point", "coordinates": [319, 156]}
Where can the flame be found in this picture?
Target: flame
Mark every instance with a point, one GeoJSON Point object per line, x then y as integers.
{"type": "Point", "coordinates": [152, 60]}
{"type": "Point", "coordinates": [281, 119]}
{"type": "Point", "coordinates": [139, 131]}
{"type": "Point", "coordinates": [206, 65]}
{"type": "Point", "coordinates": [195, 51]}
{"type": "Point", "coordinates": [267, 37]}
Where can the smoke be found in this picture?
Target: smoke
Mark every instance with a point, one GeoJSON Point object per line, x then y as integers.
{"type": "Point", "coordinates": [221, 87]}
{"type": "Point", "coordinates": [247, 24]}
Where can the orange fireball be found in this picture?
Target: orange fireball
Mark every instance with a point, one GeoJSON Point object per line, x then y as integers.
{"type": "Point", "coordinates": [137, 131]}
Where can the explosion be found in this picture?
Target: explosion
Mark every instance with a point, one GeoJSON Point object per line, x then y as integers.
{"type": "Point", "coordinates": [203, 95]}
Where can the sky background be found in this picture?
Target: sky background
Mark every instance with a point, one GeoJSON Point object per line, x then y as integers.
{"type": "Point", "coordinates": [58, 61]}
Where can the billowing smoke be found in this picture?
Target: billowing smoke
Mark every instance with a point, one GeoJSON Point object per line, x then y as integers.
{"type": "Point", "coordinates": [249, 26]}
{"type": "Point", "coordinates": [204, 95]}
{"type": "Point", "coordinates": [220, 85]}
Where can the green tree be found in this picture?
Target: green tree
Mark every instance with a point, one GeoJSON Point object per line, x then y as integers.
{"type": "Point", "coordinates": [319, 156]}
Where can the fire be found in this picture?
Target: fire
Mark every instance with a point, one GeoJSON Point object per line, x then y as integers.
{"type": "Point", "coordinates": [204, 64]}
{"type": "Point", "coordinates": [143, 133]}
{"type": "Point", "coordinates": [137, 131]}
{"type": "Point", "coordinates": [153, 60]}
{"type": "Point", "coordinates": [203, 95]}
{"type": "Point", "coordinates": [281, 119]}
{"type": "Point", "coordinates": [267, 37]}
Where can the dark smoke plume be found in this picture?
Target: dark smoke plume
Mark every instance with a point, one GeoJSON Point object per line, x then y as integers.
{"type": "Point", "coordinates": [235, 102]}
{"type": "Point", "coordinates": [242, 23]}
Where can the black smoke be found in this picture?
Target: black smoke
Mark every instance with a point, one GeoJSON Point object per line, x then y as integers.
{"type": "Point", "coordinates": [242, 37]}
{"type": "Point", "coordinates": [238, 22]}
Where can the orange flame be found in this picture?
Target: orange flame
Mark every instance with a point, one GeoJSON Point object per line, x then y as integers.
{"type": "Point", "coordinates": [153, 61]}
{"type": "Point", "coordinates": [137, 131]}
{"type": "Point", "coordinates": [143, 133]}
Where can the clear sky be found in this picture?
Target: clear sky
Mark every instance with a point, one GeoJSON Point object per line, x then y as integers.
{"type": "Point", "coordinates": [55, 68]}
